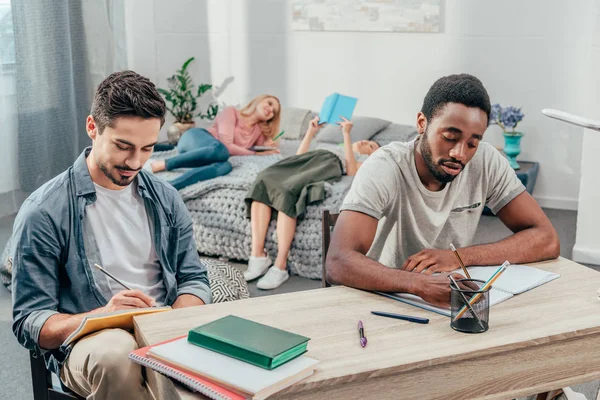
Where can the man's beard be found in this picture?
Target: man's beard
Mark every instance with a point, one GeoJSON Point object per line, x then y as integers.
{"type": "Point", "coordinates": [121, 180]}
{"type": "Point", "coordinates": [434, 167]}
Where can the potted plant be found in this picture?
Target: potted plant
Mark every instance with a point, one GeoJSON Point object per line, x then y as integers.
{"type": "Point", "coordinates": [182, 101]}
{"type": "Point", "coordinates": [508, 118]}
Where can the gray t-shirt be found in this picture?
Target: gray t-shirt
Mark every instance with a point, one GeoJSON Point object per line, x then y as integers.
{"type": "Point", "coordinates": [412, 218]}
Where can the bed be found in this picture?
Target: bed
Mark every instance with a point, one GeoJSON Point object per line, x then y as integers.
{"type": "Point", "coordinates": [218, 210]}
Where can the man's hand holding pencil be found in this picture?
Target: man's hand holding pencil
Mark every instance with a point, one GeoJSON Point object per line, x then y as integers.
{"type": "Point", "coordinates": [435, 289]}
{"type": "Point", "coordinates": [125, 299]}
{"type": "Point", "coordinates": [128, 299]}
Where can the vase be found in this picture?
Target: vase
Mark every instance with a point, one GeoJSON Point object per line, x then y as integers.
{"type": "Point", "coordinates": [177, 129]}
{"type": "Point", "coordinates": [512, 147]}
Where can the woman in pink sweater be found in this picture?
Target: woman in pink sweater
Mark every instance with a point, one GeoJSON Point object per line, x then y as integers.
{"type": "Point", "coordinates": [234, 131]}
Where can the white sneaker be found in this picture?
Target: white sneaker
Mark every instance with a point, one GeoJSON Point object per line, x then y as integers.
{"type": "Point", "coordinates": [273, 278]}
{"type": "Point", "coordinates": [256, 267]}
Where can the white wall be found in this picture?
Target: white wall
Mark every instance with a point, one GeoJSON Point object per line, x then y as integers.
{"type": "Point", "coordinates": [9, 177]}
{"type": "Point", "coordinates": [587, 244]}
{"type": "Point", "coordinates": [531, 54]}
{"type": "Point", "coordinates": [162, 34]}
{"type": "Point", "coordinates": [527, 53]}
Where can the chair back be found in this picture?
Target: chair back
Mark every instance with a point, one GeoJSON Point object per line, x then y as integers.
{"type": "Point", "coordinates": [328, 222]}
{"type": "Point", "coordinates": [41, 379]}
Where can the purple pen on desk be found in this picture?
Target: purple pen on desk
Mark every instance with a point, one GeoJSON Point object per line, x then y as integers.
{"type": "Point", "coordinates": [361, 332]}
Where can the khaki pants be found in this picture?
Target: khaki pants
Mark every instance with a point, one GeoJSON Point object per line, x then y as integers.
{"type": "Point", "coordinates": [99, 367]}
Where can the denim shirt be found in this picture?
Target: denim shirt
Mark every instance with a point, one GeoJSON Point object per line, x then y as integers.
{"type": "Point", "coordinates": [53, 255]}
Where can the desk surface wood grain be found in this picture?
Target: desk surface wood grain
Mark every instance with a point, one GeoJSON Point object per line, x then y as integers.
{"type": "Point", "coordinates": [543, 339]}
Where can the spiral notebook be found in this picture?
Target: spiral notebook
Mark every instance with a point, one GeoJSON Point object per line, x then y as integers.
{"type": "Point", "coordinates": [194, 382]}
{"type": "Point", "coordinates": [515, 280]}
{"type": "Point", "coordinates": [250, 380]}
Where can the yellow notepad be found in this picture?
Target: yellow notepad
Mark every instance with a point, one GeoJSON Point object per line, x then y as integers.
{"type": "Point", "coordinates": [119, 319]}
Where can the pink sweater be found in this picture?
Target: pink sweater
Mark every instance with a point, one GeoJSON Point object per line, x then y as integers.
{"type": "Point", "coordinates": [236, 137]}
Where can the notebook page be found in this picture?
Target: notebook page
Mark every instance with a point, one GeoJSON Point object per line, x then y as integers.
{"type": "Point", "coordinates": [516, 279]}
{"type": "Point", "coordinates": [117, 319]}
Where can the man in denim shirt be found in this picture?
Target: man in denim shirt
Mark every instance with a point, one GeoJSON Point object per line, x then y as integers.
{"type": "Point", "coordinates": [105, 210]}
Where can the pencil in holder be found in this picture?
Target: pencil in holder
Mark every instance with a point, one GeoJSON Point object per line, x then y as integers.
{"type": "Point", "coordinates": [469, 306]}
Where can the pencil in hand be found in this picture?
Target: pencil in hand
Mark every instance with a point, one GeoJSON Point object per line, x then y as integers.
{"type": "Point", "coordinates": [111, 276]}
{"type": "Point", "coordinates": [460, 261]}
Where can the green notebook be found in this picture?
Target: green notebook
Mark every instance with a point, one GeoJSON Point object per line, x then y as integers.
{"type": "Point", "coordinates": [249, 341]}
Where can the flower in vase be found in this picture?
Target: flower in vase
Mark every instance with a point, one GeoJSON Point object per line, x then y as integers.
{"type": "Point", "coordinates": [506, 118]}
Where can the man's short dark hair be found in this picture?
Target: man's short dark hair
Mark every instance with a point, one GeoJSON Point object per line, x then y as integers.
{"type": "Point", "coordinates": [126, 94]}
{"type": "Point", "coordinates": [462, 88]}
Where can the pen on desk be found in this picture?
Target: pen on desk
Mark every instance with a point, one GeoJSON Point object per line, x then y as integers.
{"type": "Point", "coordinates": [112, 276]}
{"type": "Point", "coordinates": [361, 332]}
{"type": "Point", "coordinates": [408, 318]}
{"type": "Point", "coordinates": [466, 302]}
{"type": "Point", "coordinates": [460, 261]}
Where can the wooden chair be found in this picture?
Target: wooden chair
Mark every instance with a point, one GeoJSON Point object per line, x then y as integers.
{"type": "Point", "coordinates": [328, 222]}
{"type": "Point", "coordinates": [41, 379]}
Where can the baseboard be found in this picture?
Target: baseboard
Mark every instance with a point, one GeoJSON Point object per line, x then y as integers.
{"type": "Point", "coordinates": [560, 203]}
{"type": "Point", "coordinates": [586, 255]}
{"type": "Point", "coordinates": [10, 202]}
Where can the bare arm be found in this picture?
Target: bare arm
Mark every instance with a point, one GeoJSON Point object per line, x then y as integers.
{"type": "Point", "coordinates": [534, 239]}
{"type": "Point", "coordinates": [351, 164]}
{"type": "Point", "coordinates": [348, 265]}
{"type": "Point", "coordinates": [312, 130]}
{"type": "Point", "coordinates": [187, 300]}
{"type": "Point", "coordinates": [305, 144]}
{"type": "Point", "coordinates": [58, 327]}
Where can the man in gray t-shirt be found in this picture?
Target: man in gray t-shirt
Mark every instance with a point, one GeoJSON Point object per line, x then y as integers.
{"type": "Point", "coordinates": [409, 201]}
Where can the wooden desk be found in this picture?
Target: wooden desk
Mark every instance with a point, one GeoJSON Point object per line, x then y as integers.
{"type": "Point", "coordinates": [540, 340]}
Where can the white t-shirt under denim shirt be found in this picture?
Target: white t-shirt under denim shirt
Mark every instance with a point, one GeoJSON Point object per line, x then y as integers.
{"type": "Point", "coordinates": [411, 217]}
{"type": "Point", "coordinates": [122, 233]}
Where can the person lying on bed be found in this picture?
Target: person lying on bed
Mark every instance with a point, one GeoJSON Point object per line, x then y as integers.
{"type": "Point", "coordinates": [411, 200]}
{"type": "Point", "coordinates": [232, 134]}
{"type": "Point", "coordinates": [288, 187]}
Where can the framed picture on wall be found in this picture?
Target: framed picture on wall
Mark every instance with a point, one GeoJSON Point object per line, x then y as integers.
{"type": "Point", "coordinates": [367, 15]}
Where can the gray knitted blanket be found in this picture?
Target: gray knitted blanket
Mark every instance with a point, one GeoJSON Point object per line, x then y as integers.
{"type": "Point", "coordinates": [219, 215]}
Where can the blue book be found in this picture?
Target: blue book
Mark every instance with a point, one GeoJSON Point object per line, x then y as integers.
{"type": "Point", "coordinates": [337, 105]}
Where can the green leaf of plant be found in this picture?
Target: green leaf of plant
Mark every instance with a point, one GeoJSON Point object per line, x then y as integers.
{"type": "Point", "coordinates": [203, 89]}
{"type": "Point", "coordinates": [185, 64]}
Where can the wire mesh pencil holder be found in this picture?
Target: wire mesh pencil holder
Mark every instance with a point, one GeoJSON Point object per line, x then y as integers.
{"type": "Point", "coordinates": [469, 306]}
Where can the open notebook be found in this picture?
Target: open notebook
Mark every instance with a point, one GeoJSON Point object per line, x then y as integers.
{"type": "Point", "coordinates": [241, 377]}
{"type": "Point", "coordinates": [117, 319]}
{"type": "Point", "coordinates": [515, 280]}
